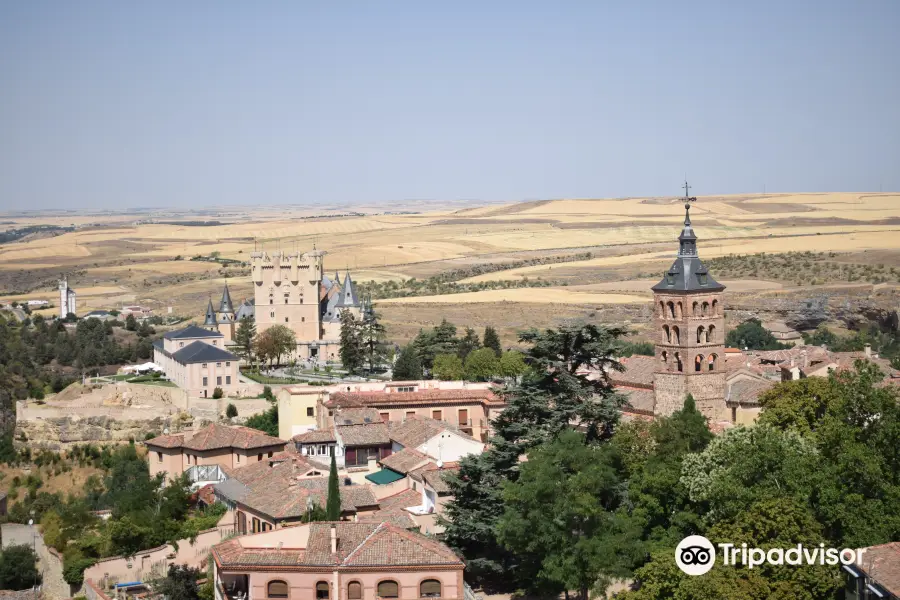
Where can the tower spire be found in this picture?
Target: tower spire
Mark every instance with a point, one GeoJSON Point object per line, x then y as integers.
{"type": "Point", "coordinates": [687, 241]}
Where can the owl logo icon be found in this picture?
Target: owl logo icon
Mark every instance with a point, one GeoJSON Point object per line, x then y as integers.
{"type": "Point", "coordinates": [695, 555]}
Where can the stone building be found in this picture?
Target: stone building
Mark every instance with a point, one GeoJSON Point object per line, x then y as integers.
{"type": "Point", "coordinates": [689, 325]}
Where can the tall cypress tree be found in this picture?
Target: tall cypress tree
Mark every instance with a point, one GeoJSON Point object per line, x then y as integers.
{"type": "Point", "coordinates": [492, 340]}
{"type": "Point", "coordinates": [351, 348]}
{"type": "Point", "coordinates": [333, 504]}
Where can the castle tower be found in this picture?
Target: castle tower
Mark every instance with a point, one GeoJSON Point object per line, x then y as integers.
{"type": "Point", "coordinates": [689, 326]}
{"type": "Point", "coordinates": [287, 291]}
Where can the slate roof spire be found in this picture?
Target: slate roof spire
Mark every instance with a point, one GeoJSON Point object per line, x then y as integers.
{"type": "Point", "coordinates": [226, 306]}
{"type": "Point", "coordinates": [687, 241]}
{"type": "Point", "coordinates": [210, 315]}
{"type": "Point", "coordinates": [687, 273]}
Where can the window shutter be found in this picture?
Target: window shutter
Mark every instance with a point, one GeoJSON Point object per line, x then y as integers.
{"type": "Point", "coordinates": [430, 588]}
{"type": "Point", "coordinates": [388, 589]}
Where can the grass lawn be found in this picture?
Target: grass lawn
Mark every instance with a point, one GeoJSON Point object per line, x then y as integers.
{"type": "Point", "coordinates": [260, 378]}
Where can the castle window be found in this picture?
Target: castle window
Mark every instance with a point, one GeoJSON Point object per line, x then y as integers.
{"type": "Point", "coordinates": [700, 335]}
{"type": "Point", "coordinates": [705, 308]}
{"type": "Point", "coordinates": [203, 366]}
{"type": "Point", "coordinates": [667, 335]}
{"type": "Point", "coordinates": [218, 364]}
{"type": "Point", "coordinates": [303, 319]}
{"type": "Point", "coordinates": [698, 362]}
{"type": "Point", "coordinates": [702, 277]}
{"type": "Point", "coordinates": [710, 334]}
{"type": "Point", "coordinates": [712, 362]}
{"type": "Point", "coordinates": [272, 314]}
{"type": "Point", "coordinates": [676, 335]}
{"type": "Point", "coordinates": [670, 279]}
{"type": "Point", "coordinates": [285, 319]}
{"type": "Point", "coordinates": [715, 307]}
{"type": "Point", "coordinates": [285, 300]}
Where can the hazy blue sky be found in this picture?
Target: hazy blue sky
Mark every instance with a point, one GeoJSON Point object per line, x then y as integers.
{"type": "Point", "coordinates": [120, 104]}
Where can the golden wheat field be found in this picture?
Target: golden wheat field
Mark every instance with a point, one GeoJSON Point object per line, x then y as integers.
{"type": "Point", "coordinates": [115, 259]}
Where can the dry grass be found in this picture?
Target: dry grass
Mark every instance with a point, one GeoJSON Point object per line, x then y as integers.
{"type": "Point", "coordinates": [121, 262]}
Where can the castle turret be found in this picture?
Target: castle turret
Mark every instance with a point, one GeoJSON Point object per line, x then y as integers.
{"type": "Point", "coordinates": [210, 322]}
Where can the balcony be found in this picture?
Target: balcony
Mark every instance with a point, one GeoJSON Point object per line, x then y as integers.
{"type": "Point", "coordinates": [232, 587]}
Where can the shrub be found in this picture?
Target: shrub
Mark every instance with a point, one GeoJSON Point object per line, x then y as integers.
{"type": "Point", "coordinates": [231, 411]}
{"type": "Point", "coordinates": [218, 393]}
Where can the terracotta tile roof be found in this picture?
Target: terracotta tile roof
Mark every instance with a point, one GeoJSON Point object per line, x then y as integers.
{"type": "Point", "coordinates": [370, 434]}
{"type": "Point", "coordinates": [281, 491]}
{"type": "Point", "coordinates": [415, 431]}
{"type": "Point", "coordinates": [421, 397]}
{"type": "Point", "coordinates": [405, 461]}
{"type": "Point", "coordinates": [166, 441]}
{"type": "Point", "coordinates": [397, 518]}
{"type": "Point", "coordinates": [638, 370]}
{"type": "Point", "coordinates": [435, 478]}
{"type": "Point", "coordinates": [216, 436]}
{"type": "Point", "coordinates": [315, 436]}
{"type": "Point", "coordinates": [356, 416]}
{"type": "Point", "coordinates": [638, 398]}
{"type": "Point", "coordinates": [405, 499]}
{"type": "Point", "coordinates": [747, 391]}
{"type": "Point", "coordinates": [359, 544]}
{"type": "Point", "coordinates": [882, 564]}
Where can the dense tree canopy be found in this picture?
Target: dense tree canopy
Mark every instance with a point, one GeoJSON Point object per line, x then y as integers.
{"type": "Point", "coordinates": [753, 336]}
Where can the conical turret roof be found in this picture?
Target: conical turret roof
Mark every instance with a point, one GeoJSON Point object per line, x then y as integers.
{"type": "Point", "coordinates": [210, 315]}
{"type": "Point", "coordinates": [225, 306]}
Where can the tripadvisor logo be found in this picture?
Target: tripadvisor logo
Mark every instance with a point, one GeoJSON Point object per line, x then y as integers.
{"type": "Point", "coordinates": [696, 555]}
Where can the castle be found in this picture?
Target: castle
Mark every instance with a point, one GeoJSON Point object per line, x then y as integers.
{"type": "Point", "coordinates": [291, 289]}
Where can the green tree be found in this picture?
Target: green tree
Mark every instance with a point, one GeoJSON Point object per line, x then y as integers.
{"type": "Point", "coordinates": [274, 343]}
{"type": "Point", "coordinates": [554, 393]}
{"type": "Point", "coordinates": [512, 364]}
{"type": "Point", "coordinates": [18, 568]}
{"type": "Point", "coordinates": [372, 338]}
{"type": "Point", "coordinates": [180, 583]}
{"type": "Point", "coordinates": [217, 393]}
{"type": "Point", "coordinates": [481, 365]}
{"type": "Point", "coordinates": [440, 340]}
{"type": "Point", "coordinates": [745, 465]}
{"type": "Point", "coordinates": [586, 542]}
{"type": "Point", "coordinates": [130, 323]}
{"type": "Point", "coordinates": [798, 405]}
{"type": "Point", "coordinates": [243, 338]}
{"type": "Point", "coordinates": [752, 335]}
{"type": "Point", "coordinates": [448, 367]}
{"type": "Point", "coordinates": [769, 523]}
{"type": "Point", "coordinates": [653, 456]}
{"type": "Point", "coordinates": [266, 421]}
{"type": "Point", "coordinates": [492, 340]}
{"type": "Point", "coordinates": [333, 503]}
{"type": "Point", "coordinates": [351, 343]}
{"type": "Point", "coordinates": [407, 367]}
{"type": "Point", "coordinates": [231, 411]}
{"type": "Point", "coordinates": [468, 343]}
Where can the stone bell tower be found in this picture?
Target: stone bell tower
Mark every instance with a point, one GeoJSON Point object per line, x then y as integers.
{"type": "Point", "coordinates": [689, 325]}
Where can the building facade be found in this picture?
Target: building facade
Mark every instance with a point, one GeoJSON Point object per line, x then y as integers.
{"type": "Point", "coordinates": [195, 360]}
{"type": "Point", "coordinates": [66, 298]}
{"type": "Point", "coordinates": [689, 324]}
{"type": "Point", "coordinates": [221, 445]}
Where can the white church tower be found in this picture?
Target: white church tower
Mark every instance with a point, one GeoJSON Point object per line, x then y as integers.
{"type": "Point", "coordinates": [66, 298]}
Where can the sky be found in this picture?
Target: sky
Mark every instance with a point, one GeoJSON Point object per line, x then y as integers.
{"type": "Point", "coordinates": [107, 105]}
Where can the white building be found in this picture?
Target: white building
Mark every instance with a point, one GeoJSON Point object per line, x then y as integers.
{"type": "Point", "coordinates": [66, 298]}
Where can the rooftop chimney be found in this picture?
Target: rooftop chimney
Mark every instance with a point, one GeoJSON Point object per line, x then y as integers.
{"type": "Point", "coordinates": [333, 539]}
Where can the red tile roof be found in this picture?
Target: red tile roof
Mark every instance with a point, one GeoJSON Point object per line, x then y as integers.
{"type": "Point", "coordinates": [418, 398]}
{"type": "Point", "coordinates": [882, 563]}
{"type": "Point", "coordinates": [415, 431]}
{"type": "Point", "coordinates": [315, 436]}
{"type": "Point", "coordinates": [370, 434]}
{"type": "Point", "coordinates": [216, 436]}
{"type": "Point", "coordinates": [405, 461]}
{"type": "Point", "coordinates": [359, 544]}
{"type": "Point", "coordinates": [638, 372]}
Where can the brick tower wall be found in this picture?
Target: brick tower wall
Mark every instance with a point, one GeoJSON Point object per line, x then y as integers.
{"type": "Point", "coordinates": [690, 327]}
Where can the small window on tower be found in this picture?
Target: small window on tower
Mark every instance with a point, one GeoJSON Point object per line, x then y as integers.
{"type": "Point", "coordinates": [702, 278]}
{"type": "Point", "coordinates": [670, 279]}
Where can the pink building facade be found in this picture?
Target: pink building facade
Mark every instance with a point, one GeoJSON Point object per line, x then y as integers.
{"type": "Point", "coordinates": [196, 360]}
{"type": "Point", "coordinates": [221, 445]}
{"type": "Point", "coordinates": [337, 561]}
